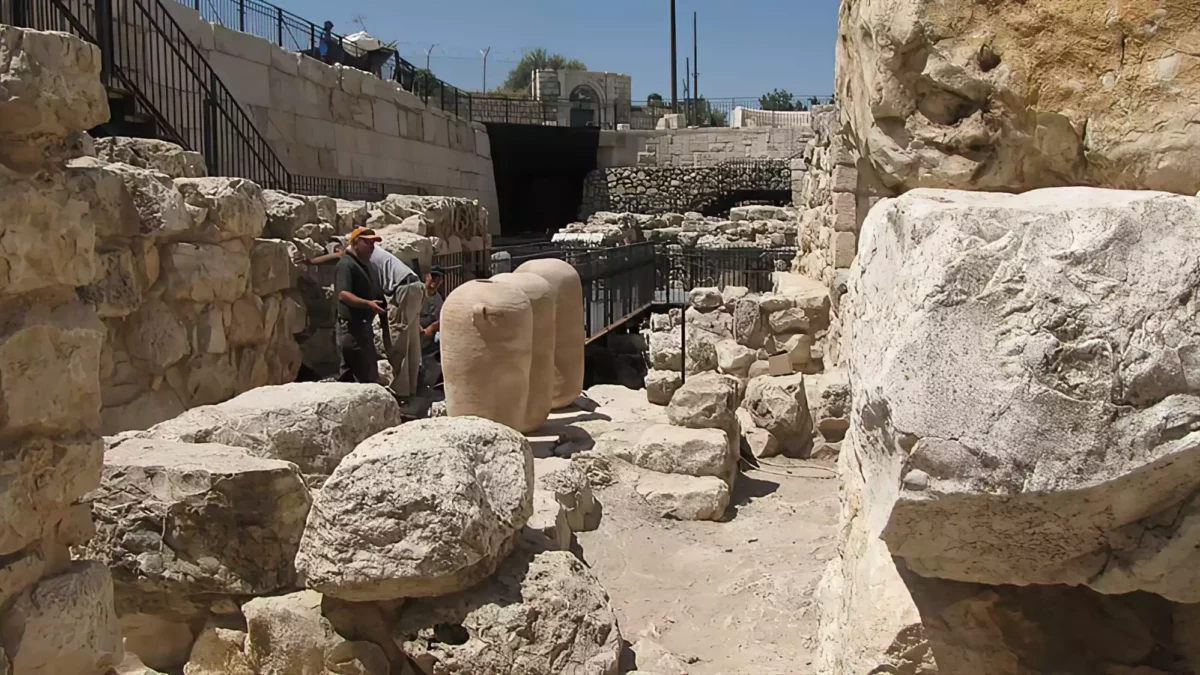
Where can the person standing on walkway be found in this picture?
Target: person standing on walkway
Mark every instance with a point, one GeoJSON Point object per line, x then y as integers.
{"type": "Point", "coordinates": [403, 291]}
{"type": "Point", "coordinates": [358, 298]}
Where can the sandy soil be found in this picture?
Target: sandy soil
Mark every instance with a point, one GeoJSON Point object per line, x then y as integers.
{"type": "Point", "coordinates": [733, 597]}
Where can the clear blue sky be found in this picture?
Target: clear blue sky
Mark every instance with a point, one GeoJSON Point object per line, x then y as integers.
{"type": "Point", "coordinates": [747, 47]}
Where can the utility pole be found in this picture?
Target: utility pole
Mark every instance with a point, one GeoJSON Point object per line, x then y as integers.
{"type": "Point", "coordinates": [674, 65]}
{"type": "Point", "coordinates": [427, 53]}
{"type": "Point", "coordinates": [695, 69]}
{"type": "Point", "coordinates": [687, 101]}
{"type": "Point", "coordinates": [485, 53]}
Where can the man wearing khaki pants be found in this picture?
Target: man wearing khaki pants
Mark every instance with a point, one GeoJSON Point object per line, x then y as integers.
{"type": "Point", "coordinates": [401, 331]}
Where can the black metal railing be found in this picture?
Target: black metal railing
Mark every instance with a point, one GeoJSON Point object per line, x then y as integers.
{"type": "Point", "coordinates": [462, 267]}
{"type": "Point", "coordinates": [684, 268]}
{"type": "Point", "coordinates": [148, 56]}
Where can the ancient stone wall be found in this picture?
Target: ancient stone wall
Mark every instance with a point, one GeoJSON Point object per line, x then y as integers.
{"type": "Point", "coordinates": [342, 122]}
{"type": "Point", "coordinates": [56, 614]}
{"type": "Point", "coordinates": [678, 189]}
{"type": "Point", "coordinates": [697, 147]}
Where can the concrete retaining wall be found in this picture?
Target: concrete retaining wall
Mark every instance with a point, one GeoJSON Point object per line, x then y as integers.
{"type": "Point", "coordinates": [697, 147]}
{"type": "Point", "coordinates": [341, 122]}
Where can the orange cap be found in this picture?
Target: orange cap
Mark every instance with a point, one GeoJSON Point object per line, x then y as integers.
{"type": "Point", "coordinates": [363, 233]}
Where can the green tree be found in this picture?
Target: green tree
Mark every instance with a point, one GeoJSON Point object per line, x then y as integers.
{"type": "Point", "coordinates": [425, 83]}
{"type": "Point", "coordinates": [520, 78]}
{"type": "Point", "coordinates": [655, 100]}
{"type": "Point", "coordinates": [779, 99]}
{"type": "Point", "coordinates": [705, 116]}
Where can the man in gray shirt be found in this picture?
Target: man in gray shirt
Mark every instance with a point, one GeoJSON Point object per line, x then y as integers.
{"type": "Point", "coordinates": [404, 293]}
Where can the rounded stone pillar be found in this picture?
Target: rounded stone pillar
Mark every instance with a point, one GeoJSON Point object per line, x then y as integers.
{"type": "Point", "coordinates": [569, 334]}
{"type": "Point", "coordinates": [544, 299]}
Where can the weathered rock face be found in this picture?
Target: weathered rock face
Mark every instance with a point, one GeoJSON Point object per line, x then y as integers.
{"type": "Point", "coordinates": [705, 401]}
{"type": "Point", "coordinates": [684, 497]}
{"type": "Point", "coordinates": [1022, 379]}
{"type": "Point", "coordinates": [957, 95]}
{"type": "Point", "coordinates": [312, 424]}
{"type": "Point", "coordinates": [452, 492]}
{"type": "Point", "coordinates": [541, 613]}
{"type": "Point", "coordinates": [779, 405]}
{"type": "Point", "coordinates": [693, 452]}
{"type": "Point", "coordinates": [150, 153]}
{"type": "Point", "coordinates": [232, 521]}
{"type": "Point", "coordinates": [56, 615]}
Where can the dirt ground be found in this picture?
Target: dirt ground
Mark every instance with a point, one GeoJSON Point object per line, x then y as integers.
{"type": "Point", "coordinates": [734, 597]}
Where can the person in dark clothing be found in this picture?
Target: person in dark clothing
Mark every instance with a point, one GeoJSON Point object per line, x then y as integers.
{"type": "Point", "coordinates": [431, 322]}
{"type": "Point", "coordinates": [358, 297]}
{"type": "Point", "coordinates": [326, 47]}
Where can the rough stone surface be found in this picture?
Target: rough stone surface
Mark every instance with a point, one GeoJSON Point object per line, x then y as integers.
{"type": "Point", "coordinates": [150, 153]}
{"type": "Point", "coordinates": [540, 613]}
{"type": "Point", "coordinates": [661, 385]}
{"type": "Point", "coordinates": [451, 493]}
{"type": "Point", "coordinates": [233, 521]}
{"type": "Point", "coordinates": [734, 359]}
{"type": "Point", "coordinates": [779, 405]}
{"type": "Point", "coordinates": [958, 96]}
{"type": "Point", "coordinates": [1022, 416]}
{"type": "Point", "coordinates": [706, 401]}
{"type": "Point", "coordinates": [64, 624]}
{"type": "Point", "coordinates": [288, 634]}
{"type": "Point", "coordinates": [692, 452]}
{"type": "Point", "coordinates": [684, 497]}
{"type": "Point", "coordinates": [311, 424]}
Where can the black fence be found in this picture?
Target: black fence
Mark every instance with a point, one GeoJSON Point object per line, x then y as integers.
{"type": "Point", "coordinates": [622, 282]}
{"type": "Point", "coordinates": [718, 112]}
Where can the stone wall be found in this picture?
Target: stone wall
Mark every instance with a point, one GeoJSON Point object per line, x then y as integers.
{"type": "Point", "coordinates": [678, 189]}
{"type": "Point", "coordinates": [341, 122]}
{"type": "Point", "coordinates": [697, 147]}
{"type": "Point", "coordinates": [56, 614]}
{"type": "Point", "coordinates": [746, 226]}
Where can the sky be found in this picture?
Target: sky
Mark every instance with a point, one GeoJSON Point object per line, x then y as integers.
{"type": "Point", "coordinates": [747, 47]}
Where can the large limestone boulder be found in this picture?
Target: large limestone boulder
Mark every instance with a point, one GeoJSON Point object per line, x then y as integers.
{"type": "Point", "coordinates": [691, 452]}
{"type": "Point", "coordinates": [49, 239]}
{"type": "Point", "coordinates": [661, 385]}
{"type": "Point", "coordinates": [956, 95]}
{"type": "Point", "coordinates": [232, 521]}
{"type": "Point", "coordinates": [779, 405]}
{"type": "Point", "coordinates": [541, 613]}
{"type": "Point", "coordinates": [451, 493]}
{"type": "Point", "coordinates": [311, 424]}
{"type": "Point", "coordinates": [287, 213]}
{"type": "Point", "coordinates": [1023, 412]}
{"type": "Point", "coordinates": [705, 401]}
{"type": "Point", "coordinates": [684, 497]}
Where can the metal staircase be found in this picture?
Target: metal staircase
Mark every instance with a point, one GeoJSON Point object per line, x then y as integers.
{"type": "Point", "coordinates": [161, 86]}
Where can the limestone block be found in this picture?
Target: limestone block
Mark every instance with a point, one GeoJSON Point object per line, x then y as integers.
{"type": "Point", "coordinates": [543, 299]}
{"type": "Point", "coordinates": [790, 320]}
{"type": "Point", "coordinates": [718, 323]}
{"type": "Point", "coordinates": [828, 397]}
{"type": "Point", "coordinates": [541, 613]}
{"type": "Point", "coordinates": [760, 367]}
{"type": "Point", "coordinates": [845, 179]}
{"type": "Point", "coordinates": [142, 202]}
{"type": "Point", "coordinates": [220, 651]}
{"type": "Point", "coordinates": [289, 634]}
{"type": "Point", "coordinates": [151, 153]}
{"type": "Point", "coordinates": [51, 88]}
{"type": "Point", "coordinates": [569, 334]}
{"type": "Point", "coordinates": [733, 358]}
{"type": "Point", "coordinates": [661, 385]}
{"type": "Point", "coordinates": [779, 405]}
{"type": "Point", "coordinates": [843, 247]}
{"type": "Point", "coordinates": [1089, 478]}
{"type": "Point", "coordinates": [235, 520]}
{"type": "Point", "coordinates": [50, 368]}
{"type": "Point", "coordinates": [231, 208]}
{"type": "Point", "coordinates": [43, 478]}
{"type": "Point", "coordinates": [48, 238]}
{"type": "Point", "coordinates": [684, 497]}
{"type": "Point", "coordinates": [487, 338]}
{"type": "Point", "coordinates": [454, 492]}
{"type": "Point", "coordinates": [998, 118]}
{"type": "Point", "coordinates": [271, 267]}
{"type": "Point", "coordinates": [64, 624]}
{"type": "Point", "coordinates": [845, 213]}
{"type": "Point", "coordinates": [705, 401]}
{"type": "Point", "coordinates": [572, 489]}
{"type": "Point", "coordinates": [205, 272]}
{"type": "Point", "coordinates": [749, 324]}
{"type": "Point", "coordinates": [760, 442]}
{"type": "Point", "coordinates": [705, 299]}
{"type": "Point", "coordinates": [701, 350]}
{"type": "Point", "coordinates": [311, 424]}
{"type": "Point", "coordinates": [286, 213]}
{"type": "Point", "coordinates": [691, 452]}
{"type": "Point", "coordinates": [409, 247]}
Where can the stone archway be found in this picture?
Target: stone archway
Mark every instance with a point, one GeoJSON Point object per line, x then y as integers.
{"type": "Point", "coordinates": [585, 106]}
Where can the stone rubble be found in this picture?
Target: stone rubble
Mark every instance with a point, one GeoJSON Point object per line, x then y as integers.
{"type": "Point", "coordinates": [746, 226]}
{"type": "Point", "coordinates": [677, 189]}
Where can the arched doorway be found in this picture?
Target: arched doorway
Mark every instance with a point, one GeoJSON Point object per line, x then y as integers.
{"type": "Point", "coordinates": [585, 106]}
